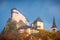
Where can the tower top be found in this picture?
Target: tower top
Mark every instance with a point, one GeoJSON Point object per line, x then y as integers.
{"type": "Point", "coordinates": [54, 24]}
{"type": "Point", "coordinates": [14, 9]}
{"type": "Point", "coordinates": [38, 19]}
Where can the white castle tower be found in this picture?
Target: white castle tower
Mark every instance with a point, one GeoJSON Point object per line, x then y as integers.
{"type": "Point", "coordinates": [38, 23]}
{"type": "Point", "coordinates": [17, 16]}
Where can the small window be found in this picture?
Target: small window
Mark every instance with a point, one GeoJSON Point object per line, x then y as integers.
{"type": "Point", "coordinates": [54, 29]}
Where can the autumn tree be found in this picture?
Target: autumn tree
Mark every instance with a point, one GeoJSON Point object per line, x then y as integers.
{"type": "Point", "coordinates": [10, 26]}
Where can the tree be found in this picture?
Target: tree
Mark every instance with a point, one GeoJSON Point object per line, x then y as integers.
{"type": "Point", "coordinates": [11, 26]}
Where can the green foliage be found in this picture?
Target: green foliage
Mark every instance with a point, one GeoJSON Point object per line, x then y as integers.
{"type": "Point", "coordinates": [42, 35]}
{"type": "Point", "coordinates": [11, 33]}
{"type": "Point", "coordinates": [11, 26]}
{"type": "Point", "coordinates": [47, 35]}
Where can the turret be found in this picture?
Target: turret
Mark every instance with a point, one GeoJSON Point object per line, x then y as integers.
{"type": "Point", "coordinates": [54, 27]}
{"type": "Point", "coordinates": [38, 23]}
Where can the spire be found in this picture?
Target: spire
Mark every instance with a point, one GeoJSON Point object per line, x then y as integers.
{"type": "Point", "coordinates": [54, 24]}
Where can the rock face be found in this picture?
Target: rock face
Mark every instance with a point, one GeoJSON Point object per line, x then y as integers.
{"type": "Point", "coordinates": [16, 21]}
{"type": "Point", "coordinates": [17, 16]}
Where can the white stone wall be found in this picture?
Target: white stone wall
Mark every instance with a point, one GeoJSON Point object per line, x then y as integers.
{"type": "Point", "coordinates": [54, 30]}
{"type": "Point", "coordinates": [40, 25]}
{"type": "Point", "coordinates": [17, 16]}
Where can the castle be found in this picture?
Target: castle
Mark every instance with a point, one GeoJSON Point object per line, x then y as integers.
{"type": "Point", "coordinates": [37, 25]}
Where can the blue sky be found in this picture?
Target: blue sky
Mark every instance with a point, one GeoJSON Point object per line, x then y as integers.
{"type": "Point", "coordinates": [45, 9]}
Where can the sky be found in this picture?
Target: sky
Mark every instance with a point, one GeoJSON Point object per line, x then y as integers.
{"type": "Point", "coordinates": [31, 9]}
